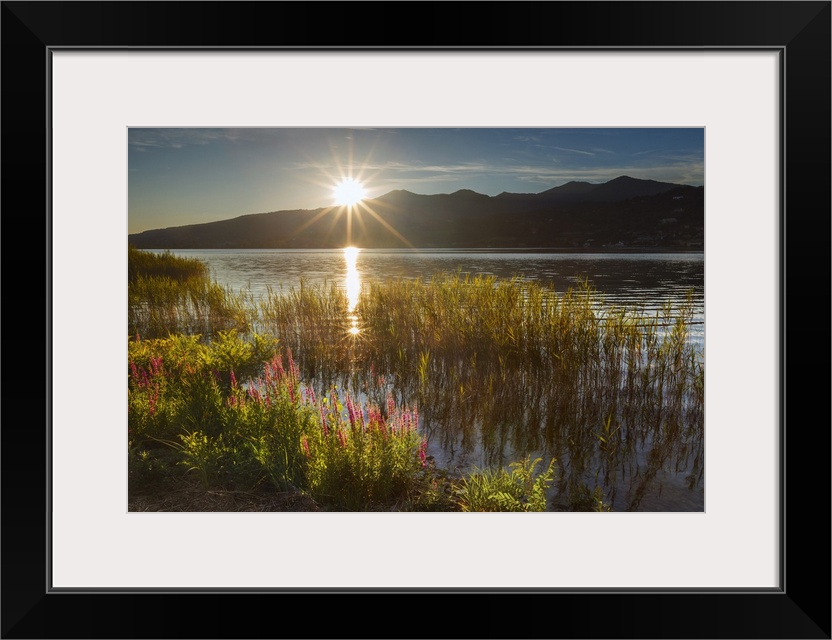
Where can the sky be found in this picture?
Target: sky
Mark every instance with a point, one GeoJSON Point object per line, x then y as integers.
{"type": "Point", "coordinates": [179, 176]}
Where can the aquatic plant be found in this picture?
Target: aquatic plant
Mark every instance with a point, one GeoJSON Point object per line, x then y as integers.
{"type": "Point", "coordinates": [147, 264]}
{"type": "Point", "coordinates": [167, 294]}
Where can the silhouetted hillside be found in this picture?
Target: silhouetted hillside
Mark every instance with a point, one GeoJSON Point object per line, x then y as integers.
{"type": "Point", "coordinates": [625, 213]}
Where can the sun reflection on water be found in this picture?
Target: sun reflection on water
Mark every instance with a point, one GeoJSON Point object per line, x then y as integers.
{"type": "Point", "coordinates": [353, 287]}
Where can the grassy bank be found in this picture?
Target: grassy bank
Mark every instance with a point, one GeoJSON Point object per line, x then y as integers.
{"type": "Point", "coordinates": [169, 294]}
{"type": "Point", "coordinates": [235, 397]}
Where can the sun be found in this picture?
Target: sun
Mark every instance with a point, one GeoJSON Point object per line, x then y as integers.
{"type": "Point", "coordinates": [349, 192]}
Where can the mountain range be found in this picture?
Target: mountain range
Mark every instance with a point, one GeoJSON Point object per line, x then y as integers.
{"type": "Point", "coordinates": [622, 214]}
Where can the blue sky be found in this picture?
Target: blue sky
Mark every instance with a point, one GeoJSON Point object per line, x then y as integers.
{"type": "Point", "coordinates": [180, 176]}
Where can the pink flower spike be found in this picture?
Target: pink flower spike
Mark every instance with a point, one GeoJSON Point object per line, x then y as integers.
{"type": "Point", "coordinates": [391, 405]}
{"type": "Point", "coordinates": [351, 411]}
{"type": "Point", "coordinates": [293, 368]}
{"type": "Point", "coordinates": [324, 426]}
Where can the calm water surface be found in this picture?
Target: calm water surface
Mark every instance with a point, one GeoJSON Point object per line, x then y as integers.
{"type": "Point", "coordinates": [645, 281]}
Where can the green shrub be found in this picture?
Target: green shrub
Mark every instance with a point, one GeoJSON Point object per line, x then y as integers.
{"type": "Point", "coordinates": [516, 489]}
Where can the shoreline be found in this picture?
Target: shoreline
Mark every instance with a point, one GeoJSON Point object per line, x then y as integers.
{"type": "Point", "coordinates": [553, 250]}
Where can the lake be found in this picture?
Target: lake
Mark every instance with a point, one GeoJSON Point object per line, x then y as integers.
{"type": "Point", "coordinates": [654, 474]}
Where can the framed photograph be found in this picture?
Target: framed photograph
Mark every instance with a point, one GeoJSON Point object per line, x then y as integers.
{"type": "Point", "coordinates": [87, 84]}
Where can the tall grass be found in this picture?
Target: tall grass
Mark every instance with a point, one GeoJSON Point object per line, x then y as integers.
{"type": "Point", "coordinates": [147, 264]}
{"type": "Point", "coordinates": [169, 294]}
{"type": "Point", "coordinates": [313, 321]}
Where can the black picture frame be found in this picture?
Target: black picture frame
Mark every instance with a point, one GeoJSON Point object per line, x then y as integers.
{"type": "Point", "coordinates": [799, 608]}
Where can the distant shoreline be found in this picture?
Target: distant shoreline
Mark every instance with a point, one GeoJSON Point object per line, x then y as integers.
{"type": "Point", "coordinates": [564, 250]}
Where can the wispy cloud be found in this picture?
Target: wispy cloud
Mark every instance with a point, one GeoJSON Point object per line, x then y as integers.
{"type": "Point", "coordinates": [685, 173]}
{"type": "Point", "coordinates": [680, 169]}
{"type": "Point", "coordinates": [177, 138]}
{"type": "Point", "coordinates": [583, 153]}
{"type": "Point", "coordinates": [399, 167]}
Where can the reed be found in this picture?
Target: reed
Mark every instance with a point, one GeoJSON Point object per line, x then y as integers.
{"type": "Point", "coordinates": [148, 264]}
{"type": "Point", "coordinates": [313, 321]}
{"type": "Point", "coordinates": [168, 294]}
